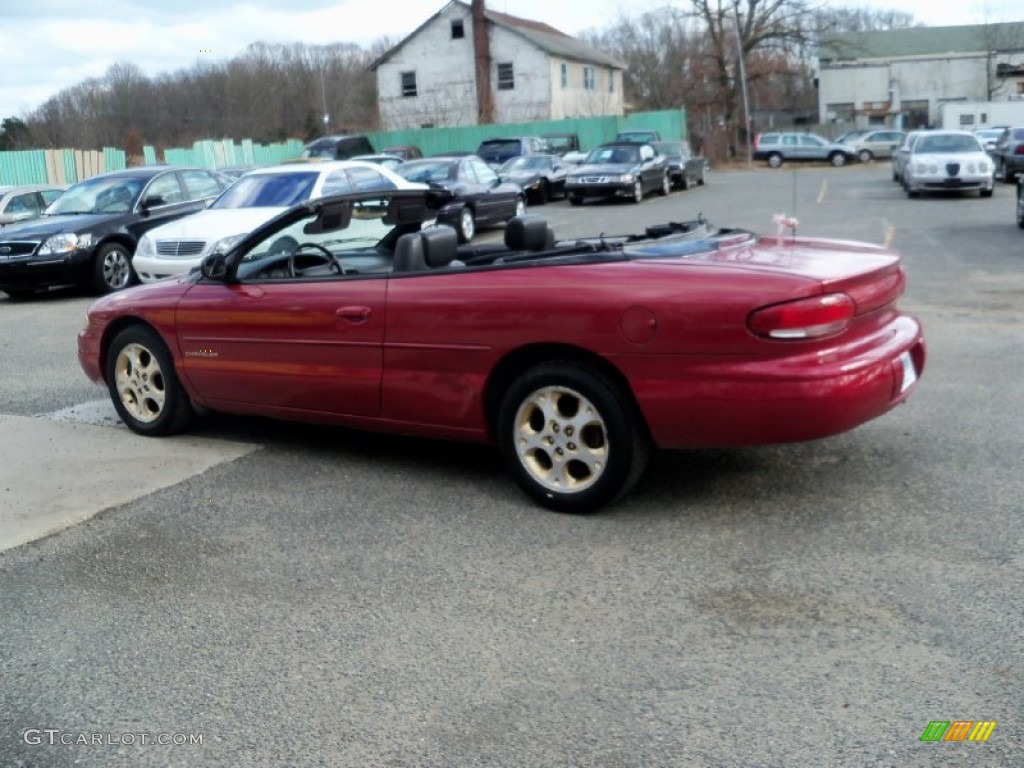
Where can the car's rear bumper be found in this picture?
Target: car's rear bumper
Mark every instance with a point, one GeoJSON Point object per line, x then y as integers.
{"type": "Point", "coordinates": [805, 396]}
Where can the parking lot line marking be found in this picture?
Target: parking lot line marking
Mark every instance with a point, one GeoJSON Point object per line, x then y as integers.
{"type": "Point", "coordinates": [889, 234]}
{"type": "Point", "coordinates": [824, 191]}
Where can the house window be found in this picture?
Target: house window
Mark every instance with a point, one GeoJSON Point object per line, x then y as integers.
{"type": "Point", "coordinates": [506, 78]}
{"type": "Point", "coordinates": [408, 84]}
{"type": "Point", "coordinates": [611, 81]}
{"type": "Point", "coordinates": [966, 119]}
{"type": "Point", "coordinates": [589, 79]}
{"type": "Point", "coordinates": [458, 31]}
{"type": "Point", "coordinates": [565, 75]}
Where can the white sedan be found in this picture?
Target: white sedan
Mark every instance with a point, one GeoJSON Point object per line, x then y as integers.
{"type": "Point", "coordinates": [256, 197]}
{"type": "Point", "coordinates": [948, 161]}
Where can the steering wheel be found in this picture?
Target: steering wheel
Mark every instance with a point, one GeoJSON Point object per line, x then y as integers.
{"type": "Point", "coordinates": [330, 260]}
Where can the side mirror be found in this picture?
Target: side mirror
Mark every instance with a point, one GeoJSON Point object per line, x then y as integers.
{"type": "Point", "coordinates": [152, 201]}
{"type": "Point", "coordinates": [215, 267]}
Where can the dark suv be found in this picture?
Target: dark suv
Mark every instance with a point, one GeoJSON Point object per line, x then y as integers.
{"type": "Point", "coordinates": [338, 147]}
{"type": "Point", "coordinates": [496, 151]}
{"type": "Point", "coordinates": [1009, 154]}
{"type": "Point", "coordinates": [88, 235]}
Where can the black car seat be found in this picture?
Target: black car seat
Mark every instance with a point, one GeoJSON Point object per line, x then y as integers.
{"type": "Point", "coordinates": [528, 233]}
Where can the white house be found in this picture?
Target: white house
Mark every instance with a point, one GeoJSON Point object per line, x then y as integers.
{"type": "Point", "coordinates": [900, 78]}
{"type": "Point", "coordinates": [534, 71]}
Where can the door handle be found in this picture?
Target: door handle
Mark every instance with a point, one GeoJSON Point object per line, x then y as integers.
{"type": "Point", "coordinates": [354, 314]}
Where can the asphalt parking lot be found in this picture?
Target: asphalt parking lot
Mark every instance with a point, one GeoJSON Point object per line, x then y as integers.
{"type": "Point", "coordinates": [327, 597]}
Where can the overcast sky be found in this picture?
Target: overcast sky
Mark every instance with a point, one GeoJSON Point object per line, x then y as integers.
{"type": "Point", "coordinates": [49, 45]}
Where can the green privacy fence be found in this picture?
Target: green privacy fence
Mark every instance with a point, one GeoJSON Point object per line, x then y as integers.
{"type": "Point", "coordinates": [670, 124]}
{"type": "Point", "coordinates": [66, 166]}
{"type": "Point", "coordinates": [219, 154]}
{"type": "Point", "coordinates": [58, 166]}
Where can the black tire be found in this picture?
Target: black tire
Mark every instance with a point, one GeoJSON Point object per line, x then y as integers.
{"type": "Point", "coordinates": [575, 199]}
{"type": "Point", "coordinates": [143, 384]}
{"type": "Point", "coordinates": [467, 225]}
{"type": "Point", "coordinates": [545, 192]}
{"type": "Point", "coordinates": [612, 437]}
{"type": "Point", "coordinates": [864, 156]}
{"type": "Point", "coordinates": [703, 175]}
{"type": "Point", "coordinates": [986, 193]}
{"type": "Point", "coordinates": [838, 159]}
{"type": "Point", "coordinates": [1020, 208]}
{"type": "Point", "coordinates": [774, 160]}
{"type": "Point", "coordinates": [1003, 173]}
{"type": "Point", "coordinates": [912, 193]}
{"type": "Point", "coordinates": [112, 269]}
{"type": "Point", "coordinates": [684, 182]}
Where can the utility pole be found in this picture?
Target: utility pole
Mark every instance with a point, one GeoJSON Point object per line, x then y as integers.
{"type": "Point", "coordinates": [743, 84]}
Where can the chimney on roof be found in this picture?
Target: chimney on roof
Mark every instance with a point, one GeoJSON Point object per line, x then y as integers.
{"type": "Point", "coordinates": [482, 53]}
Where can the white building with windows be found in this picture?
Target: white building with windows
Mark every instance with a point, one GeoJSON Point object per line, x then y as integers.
{"type": "Point", "coordinates": [536, 73]}
{"type": "Point", "coordinates": [901, 78]}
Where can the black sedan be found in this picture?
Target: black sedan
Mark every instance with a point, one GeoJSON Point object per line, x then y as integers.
{"type": "Point", "coordinates": [88, 235]}
{"type": "Point", "coordinates": [619, 170]}
{"type": "Point", "coordinates": [480, 197]}
{"type": "Point", "coordinates": [542, 177]}
{"type": "Point", "coordinates": [684, 168]}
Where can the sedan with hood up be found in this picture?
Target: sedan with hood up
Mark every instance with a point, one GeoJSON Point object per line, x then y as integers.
{"type": "Point", "coordinates": [619, 170]}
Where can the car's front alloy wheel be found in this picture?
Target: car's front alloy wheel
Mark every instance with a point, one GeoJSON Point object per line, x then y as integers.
{"type": "Point", "coordinates": [666, 186]}
{"type": "Point", "coordinates": [638, 191]}
{"type": "Point", "coordinates": [570, 437]}
{"type": "Point", "coordinates": [838, 159]}
{"type": "Point", "coordinates": [143, 384]}
{"type": "Point", "coordinates": [467, 225]}
{"type": "Point", "coordinates": [112, 268]}
{"type": "Point", "coordinates": [520, 207]}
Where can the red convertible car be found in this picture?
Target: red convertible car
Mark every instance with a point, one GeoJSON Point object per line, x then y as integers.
{"type": "Point", "coordinates": [576, 357]}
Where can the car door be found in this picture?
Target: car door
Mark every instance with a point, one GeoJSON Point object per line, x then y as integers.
{"type": "Point", "coordinates": [163, 199]}
{"type": "Point", "coordinates": [497, 199]}
{"type": "Point", "coordinates": [290, 344]}
{"type": "Point", "coordinates": [812, 148]}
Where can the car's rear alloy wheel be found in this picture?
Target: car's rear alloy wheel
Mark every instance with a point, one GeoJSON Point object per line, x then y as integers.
{"type": "Point", "coordinates": [638, 191]}
{"type": "Point", "coordinates": [112, 268]}
{"type": "Point", "coordinates": [570, 437]}
{"type": "Point", "coordinates": [143, 384]}
{"type": "Point", "coordinates": [666, 185]}
{"type": "Point", "coordinates": [774, 160]}
{"type": "Point", "coordinates": [838, 159]}
{"type": "Point", "coordinates": [467, 225]}
{"type": "Point", "coordinates": [865, 156]}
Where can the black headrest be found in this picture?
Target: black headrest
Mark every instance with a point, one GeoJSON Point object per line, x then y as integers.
{"type": "Point", "coordinates": [440, 245]}
{"type": "Point", "coordinates": [409, 253]}
{"type": "Point", "coordinates": [526, 233]}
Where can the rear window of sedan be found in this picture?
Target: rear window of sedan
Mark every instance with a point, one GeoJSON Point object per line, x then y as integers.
{"type": "Point", "coordinates": [268, 190]}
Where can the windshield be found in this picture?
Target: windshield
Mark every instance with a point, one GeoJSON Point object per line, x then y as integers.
{"type": "Point", "coordinates": [527, 163]}
{"type": "Point", "coordinates": [98, 195]}
{"type": "Point", "coordinates": [946, 144]}
{"type": "Point", "coordinates": [426, 171]}
{"type": "Point", "coordinates": [268, 190]}
{"type": "Point", "coordinates": [622, 155]}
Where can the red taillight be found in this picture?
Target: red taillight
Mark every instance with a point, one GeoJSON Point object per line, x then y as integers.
{"type": "Point", "coordinates": [804, 318]}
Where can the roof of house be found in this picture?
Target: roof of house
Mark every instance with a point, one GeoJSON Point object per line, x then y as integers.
{"type": "Point", "coordinates": [543, 36]}
{"type": "Point", "coordinates": [924, 41]}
